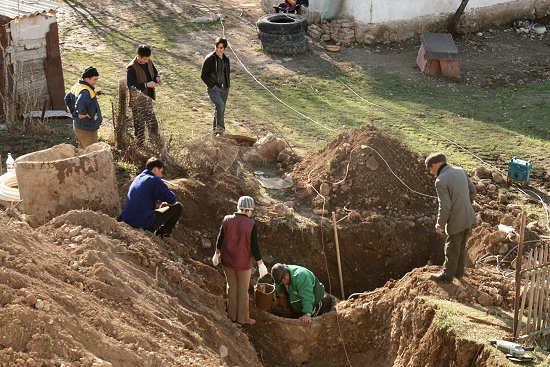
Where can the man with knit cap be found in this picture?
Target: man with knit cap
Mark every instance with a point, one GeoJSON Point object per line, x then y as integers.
{"type": "Point", "coordinates": [236, 245]}
{"type": "Point", "coordinates": [304, 293]}
{"type": "Point", "coordinates": [84, 107]}
{"type": "Point", "coordinates": [455, 215]}
{"type": "Point", "coordinates": [142, 79]}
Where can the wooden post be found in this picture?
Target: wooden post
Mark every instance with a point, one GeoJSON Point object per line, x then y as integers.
{"type": "Point", "coordinates": [518, 273]}
{"type": "Point", "coordinates": [338, 254]}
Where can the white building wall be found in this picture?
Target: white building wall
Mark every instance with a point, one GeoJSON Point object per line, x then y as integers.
{"type": "Point", "coordinates": [379, 11]}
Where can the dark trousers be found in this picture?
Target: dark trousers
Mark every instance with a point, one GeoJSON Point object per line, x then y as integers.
{"type": "Point", "coordinates": [144, 116]}
{"type": "Point", "coordinates": [219, 97]}
{"type": "Point", "coordinates": [455, 252]}
{"type": "Point", "coordinates": [165, 221]}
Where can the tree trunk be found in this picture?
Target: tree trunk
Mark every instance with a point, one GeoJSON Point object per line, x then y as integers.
{"type": "Point", "coordinates": [453, 26]}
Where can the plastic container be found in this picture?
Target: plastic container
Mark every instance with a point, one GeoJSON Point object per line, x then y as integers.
{"type": "Point", "coordinates": [10, 164]}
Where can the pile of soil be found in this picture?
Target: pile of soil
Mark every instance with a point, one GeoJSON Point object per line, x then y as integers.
{"type": "Point", "coordinates": [84, 290]}
{"type": "Point", "coordinates": [367, 171]}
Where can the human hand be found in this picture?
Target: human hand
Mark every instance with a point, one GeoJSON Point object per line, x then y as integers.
{"type": "Point", "coordinates": [262, 269]}
{"type": "Point", "coordinates": [439, 230]}
{"type": "Point", "coordinates": [216, 259]}
{"type": "Point", "coordinates": [305, 320]}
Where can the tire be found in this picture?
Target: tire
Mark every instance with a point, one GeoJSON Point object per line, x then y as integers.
{"type": "Point", "coordinates": [282, 23]}
{"type": "Point", "coordinates": [287, 44]}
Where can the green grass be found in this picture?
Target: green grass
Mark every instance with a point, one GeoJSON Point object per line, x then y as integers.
{"type": "Point", "coordinates": [462, 120]}
{"type": "Point", "coordinates": [452, 317]}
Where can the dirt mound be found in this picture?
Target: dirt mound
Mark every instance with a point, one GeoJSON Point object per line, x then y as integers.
{"type": "Point", "coordinates": [401, 324]}
{"type": "Point", "coordinates": [366, 170]}
{"type": "Point", "coordinates": [84, 290]}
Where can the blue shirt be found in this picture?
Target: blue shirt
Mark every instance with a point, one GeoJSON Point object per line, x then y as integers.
{"type": "Point", "coordinates": [143, 194]}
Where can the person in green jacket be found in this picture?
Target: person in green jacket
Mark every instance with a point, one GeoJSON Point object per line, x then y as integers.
{"type": "Point", "coordinates": [305, 294]}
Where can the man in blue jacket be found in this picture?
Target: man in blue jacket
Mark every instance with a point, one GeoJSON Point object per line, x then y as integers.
{"type": "Point", "coordinates": [455, 215]}
{"type": "Point", "coordinates": [144, 193]}
{"type": "Point", "coordinates": [82, 103]}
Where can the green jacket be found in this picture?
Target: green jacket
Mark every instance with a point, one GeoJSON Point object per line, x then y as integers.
{"type": "Point", "coordinates": [304, 287]}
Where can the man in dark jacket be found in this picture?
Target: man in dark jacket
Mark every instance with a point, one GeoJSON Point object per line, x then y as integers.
{"type": "Point", "coordinates": [82, 103]}
{"type": "Point", "coordinates": [215, 74]}
{"type": "Point", "coordinates": [142, 78]}
{"type": "Point", "coordinates": [144, 193]}
{"type": "Point", "coordinates": [455, 216]}
{"type": "Point", "coordinates": [305, 294]}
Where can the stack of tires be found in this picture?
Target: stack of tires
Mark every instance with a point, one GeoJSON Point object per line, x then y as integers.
{"type": "Point", "coordinates": [283, 33]}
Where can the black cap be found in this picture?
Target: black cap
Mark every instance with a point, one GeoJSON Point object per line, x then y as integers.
{"type": "Point", "coordinates": [89, 72]}
{"type": "Point", "coordinates": [278, 272]}
{"type": "Point", "coordinates": [435, 158]}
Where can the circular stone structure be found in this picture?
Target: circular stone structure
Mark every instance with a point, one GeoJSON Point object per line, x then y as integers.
{"type": "Point", "coordinates": [283, 33]}
{"type": "Point", "coordinates": [56, 180]}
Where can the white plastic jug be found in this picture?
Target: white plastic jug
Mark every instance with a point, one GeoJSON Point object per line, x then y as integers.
{"type": "Point", "coordinates": [10, 164]}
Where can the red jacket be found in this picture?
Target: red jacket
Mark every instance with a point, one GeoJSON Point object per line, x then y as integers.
{"type": "Point", "coordinates": [236, 249]}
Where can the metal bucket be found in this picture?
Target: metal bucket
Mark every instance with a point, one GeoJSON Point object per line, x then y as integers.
{"type": "Point", "coordinates": [263, 295]}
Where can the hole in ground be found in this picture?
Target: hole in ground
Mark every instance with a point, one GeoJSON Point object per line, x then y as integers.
{"type": "Point", "coordinates": [372, 253]}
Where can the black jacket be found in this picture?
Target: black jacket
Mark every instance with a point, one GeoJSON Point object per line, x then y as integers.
{"type": "Point", "coordinates": [210, 74]}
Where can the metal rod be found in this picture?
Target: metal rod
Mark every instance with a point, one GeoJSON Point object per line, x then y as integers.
{"type": "Point", "coordinates": [338, 254]}
{"type": "Point", "coordinates": [518, 273]}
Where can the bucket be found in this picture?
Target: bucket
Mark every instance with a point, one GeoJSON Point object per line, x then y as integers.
{"type": "Point", "coordinates": [263, 295]}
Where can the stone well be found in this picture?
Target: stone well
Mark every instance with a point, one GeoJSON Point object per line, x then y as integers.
{"type": "Point", "coordinates": [56, 180]}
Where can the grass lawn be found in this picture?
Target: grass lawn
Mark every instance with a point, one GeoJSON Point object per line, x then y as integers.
{"type": "Point", "coordinates": [462, 120]}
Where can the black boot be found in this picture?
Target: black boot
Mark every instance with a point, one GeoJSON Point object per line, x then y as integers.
{"type": "Point", "coordinates": [441, 278]}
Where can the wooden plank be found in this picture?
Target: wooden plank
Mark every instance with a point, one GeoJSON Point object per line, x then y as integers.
{"type": "Point", "coordinates": [54, 70]}
{"type": "Point", "coordinates": [4, 67]}
{"type": "Point", "coordinates": [450, 68]}
{"type": "Point", "coordinates": [421, 59]}
{"type": "Point", "coordinates": [519, 263]}
{"type": "Point", "coordinates": [547, 285]}
{"type": "Point", "coordinates": [432, 68]}
{"type": "Point", "coordinates": [531, 294]}
{"type": "Point", "coordinates": [537, 292]}
{"type": "Point", "coordinates": [527, 287]}
{"type": "Point", "coordinates": [542, 294]}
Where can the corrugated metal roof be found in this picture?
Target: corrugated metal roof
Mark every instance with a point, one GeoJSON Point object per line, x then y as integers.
{"type": "Point", "coordinates": [26, 8]}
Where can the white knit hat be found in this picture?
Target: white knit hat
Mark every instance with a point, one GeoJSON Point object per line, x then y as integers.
{"type": "Point", "coordinates": [245, 202]}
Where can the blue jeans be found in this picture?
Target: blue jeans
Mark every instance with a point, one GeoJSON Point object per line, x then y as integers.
{"type": "Point", "coordinates": [219, 97]}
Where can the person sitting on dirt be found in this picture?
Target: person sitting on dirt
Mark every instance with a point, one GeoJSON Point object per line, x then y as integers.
{"type": "Point", "coordinates": [305, 294]}
{"type": "Point", "coordinates": [144, 193]}
{"type": "Point", "coordinates": [237, 243]}
{"type": "Point", "coordinates": [291, 6]}
{"type": "Point", "coordinates": [455, 216]}
{"type": "Point", "coordinates": [82, 103]}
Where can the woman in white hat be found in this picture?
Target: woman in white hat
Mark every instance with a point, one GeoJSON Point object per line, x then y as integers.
{"type": "Point", "coordinates": [236, 245]}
